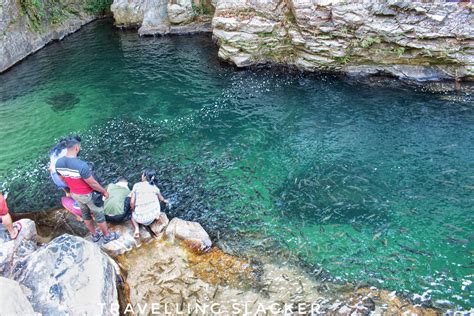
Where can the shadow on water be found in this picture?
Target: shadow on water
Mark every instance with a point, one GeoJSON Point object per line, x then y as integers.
{"type": "Point", "coordinates": [63, 102]}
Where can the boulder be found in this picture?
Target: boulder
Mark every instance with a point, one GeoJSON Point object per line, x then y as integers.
{"type": "Point", "coordinates": [12, 299]}
{"type": "Point", "coordinates": [128, 13]}
{"type": "Point", "coordinates": [155, 19]}
{"type": "Point", "coordinates": [69, 275]}
{"type": "Point", "coordinates": [180, 11]}
{"type": "Point", "coordinates": [127, 242]}
{"type": "Point", "coordinates": [190, 232]}
{"type": "Point", "coordinates": [11, 251]}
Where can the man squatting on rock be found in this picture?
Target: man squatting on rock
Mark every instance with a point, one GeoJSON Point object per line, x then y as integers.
{"type": "Point", "coordinates": [78, 177]}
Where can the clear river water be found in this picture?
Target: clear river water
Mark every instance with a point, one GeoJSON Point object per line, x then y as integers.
{"type": "Point", "coordinates": [373, 183]}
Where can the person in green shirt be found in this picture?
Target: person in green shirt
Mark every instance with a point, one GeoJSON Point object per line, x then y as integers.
{"type": "Point", "coordinates": [117, 206]}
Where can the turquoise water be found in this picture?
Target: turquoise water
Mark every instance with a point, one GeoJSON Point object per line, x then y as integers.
{"type": "Point", "coordinates": [376, 184]}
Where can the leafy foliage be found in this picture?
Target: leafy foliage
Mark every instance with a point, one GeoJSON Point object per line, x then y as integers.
{"type": "Point", "coordinates": [34, 9]}
{"type": "Point", "coordinates": [98, 6]}
{"type": "Point", "coordinates": [203, 8]}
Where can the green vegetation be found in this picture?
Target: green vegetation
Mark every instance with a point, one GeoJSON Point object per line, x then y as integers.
{"type": "Point", "coordinates": [41, 13]}
{"type": "Point", "coordinates": [369, 41]}
{"type": "Point", "coordinates": [98, 6]}
{"type": "Point", "coordinates": [34, 9]}
{"type": "Point", "coordinates": [203, 8]}
{"type": "Point", "coordinates": [343, 59]}
{"type": "Point", "coordinates": [265, 34]}
{"type": "Point", "coordinates": [290, 16]}
{"type": "Point", "coordinates": [400, 51]}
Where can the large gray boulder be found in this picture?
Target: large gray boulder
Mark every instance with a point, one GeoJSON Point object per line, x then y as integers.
{"type": "Point", "coordinates": [180, 11]}
{"type": "Point", "coordinates": [71, 276]}
{"type": "Point", "coordinates": [128, 13]}
{"type": "Point", "coordinates": [11, 251]}
{"type": "Point", "coordinates": [12, 299]}
{"type": "Point", "coordinates": [191, 233]}
{"type": "Point", "coordinates": [155, 18]}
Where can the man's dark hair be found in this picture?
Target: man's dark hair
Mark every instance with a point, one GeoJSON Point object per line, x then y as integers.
{"type": "Point", "coordinates": [121, 179]}
{"type": "Point", "coordinates": [72, 140]}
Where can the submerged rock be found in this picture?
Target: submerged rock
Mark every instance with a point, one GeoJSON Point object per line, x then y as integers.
{"type": "Point", "coordinates": [62, 102]}
{"type": "Point", "coordinates": [191, 233]}
{"type": "Point", "coordinates": [69, 275]}
{"type": "Point", "coordinates": [12, 251]}
{"type": "Point", "coordinates": [12, 299]}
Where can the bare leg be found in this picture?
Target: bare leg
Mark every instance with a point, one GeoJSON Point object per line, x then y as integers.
{"type": "Point", "coordinates": [136, 232]}
{"type": "Point", "coordinates": [90, 226]}
{"type": "Point", "coordinates": [103, 228]}
{"type": "Point", "coordinates": [66, 192]}
{"type": "Point", "coordinates": [7, 221]}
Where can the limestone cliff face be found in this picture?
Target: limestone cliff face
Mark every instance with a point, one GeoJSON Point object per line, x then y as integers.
{"type": "Point", "coordinates": [26, 26]}
{"type": "Point", "coordinates": [412, 40]}
{"type": "Point", "coordinates": [163, 16]}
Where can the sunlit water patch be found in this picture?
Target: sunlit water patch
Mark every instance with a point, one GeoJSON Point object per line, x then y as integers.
{"type": "Point", "coordinates": [376, 185]}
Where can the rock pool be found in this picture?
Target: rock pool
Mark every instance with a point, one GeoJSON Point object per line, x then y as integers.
{"type": "Point", "coordinates": [373, 183]}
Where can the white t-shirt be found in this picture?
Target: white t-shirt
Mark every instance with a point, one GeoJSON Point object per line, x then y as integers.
{"type": "Point", "coordinates": [147, 205]}
{"type": "Point", "coordinates": [54, 158]}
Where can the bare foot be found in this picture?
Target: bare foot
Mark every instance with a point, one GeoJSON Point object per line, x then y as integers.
{"type": "Point", "coordinates": [17, 228]}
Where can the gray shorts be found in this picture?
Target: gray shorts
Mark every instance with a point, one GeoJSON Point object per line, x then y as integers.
{"type": "Point", "coordinates": [87, 206]}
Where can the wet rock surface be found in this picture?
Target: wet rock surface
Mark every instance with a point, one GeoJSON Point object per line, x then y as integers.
{"type": "Point", "coordinates": [421, 41]}
{"type": "Point", "coordinates": [178, 280]}
{"type": "Point", "coordinates": [191, 233]}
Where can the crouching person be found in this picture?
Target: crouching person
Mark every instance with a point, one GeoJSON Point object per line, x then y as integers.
{"type": "Point", "coordinates": [145, 201]}
{"type": "Point", "coordinates": [117, 206]}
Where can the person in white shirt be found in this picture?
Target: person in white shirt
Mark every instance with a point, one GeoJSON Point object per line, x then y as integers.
{"type": "Point", "coordinates": [145, 201]}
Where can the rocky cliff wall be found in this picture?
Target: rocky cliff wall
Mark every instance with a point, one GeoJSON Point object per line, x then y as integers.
{"type": "Point", "coordinates": [412, 40]}
{"type": "Point", "coordinates": [154, 17]}
{"type": "Point", "coordinates": [28, 25]}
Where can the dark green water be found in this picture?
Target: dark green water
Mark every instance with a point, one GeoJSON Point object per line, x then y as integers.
{"type": "Point", "coordinates": [375, 184]}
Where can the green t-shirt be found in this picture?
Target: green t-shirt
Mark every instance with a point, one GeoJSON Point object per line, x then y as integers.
{"type": "Point", "coordinates": [114, 204]}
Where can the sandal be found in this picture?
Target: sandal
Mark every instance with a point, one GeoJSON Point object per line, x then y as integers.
{"type": "Point", "coordinates": [18, 227]}
{"type": "Point", "coordinates": [97, 236]}
{"type": "Point", "coordinates": [111, 236]}
{"type": "Point", "coordinates": [136, 235]}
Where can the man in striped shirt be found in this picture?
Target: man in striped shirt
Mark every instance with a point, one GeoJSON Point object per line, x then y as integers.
{"type": "Point", "coordinates": [77, 174]}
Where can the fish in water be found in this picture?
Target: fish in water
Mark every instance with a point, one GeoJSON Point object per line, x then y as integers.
{"type": "Point", "coordinates": [458, 241]}
{"type": "Point", "coordinates": [415, 251]}
{"type": "Point", "coordinates": [63, 102]}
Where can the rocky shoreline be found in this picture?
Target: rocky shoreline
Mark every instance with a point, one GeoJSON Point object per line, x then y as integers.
{"type": "Point", "coordinates": [423, 42]}
{"type": "Point", "coordinates": [27, 30]}
{"type": "Point", "coordinates": [172, 268]}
